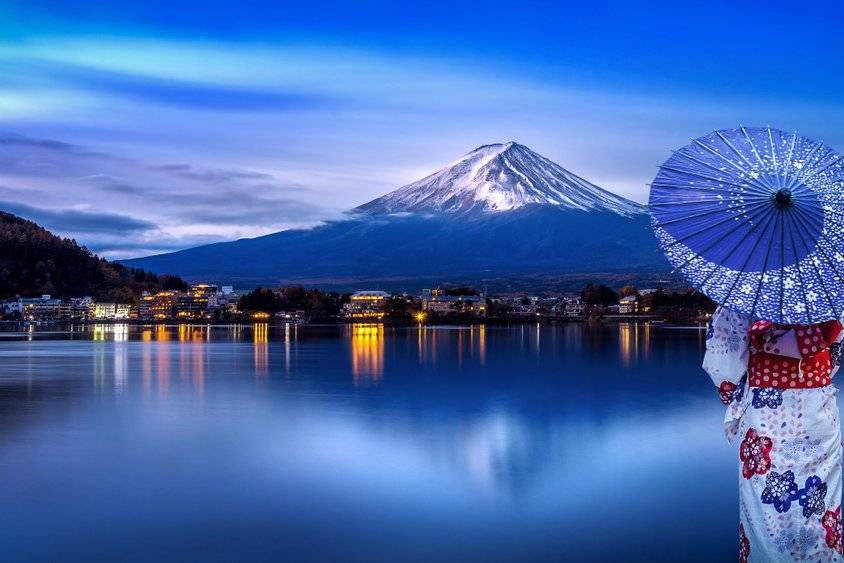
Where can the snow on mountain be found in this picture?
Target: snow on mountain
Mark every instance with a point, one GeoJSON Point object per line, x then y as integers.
{"type": "Point", "coordinates": [500, 177]}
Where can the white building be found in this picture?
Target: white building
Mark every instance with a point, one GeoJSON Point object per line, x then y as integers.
{"type": "Point", "coordinates": [371, 304]}
{"type": "Point", "coordinates": [628, 305]}
{"type": "Point", "coordinates": [111, 311]}
{"type": "Point", "coordinates": [573, 307]}
{"type": "Point", "coordinates": [435, 302]}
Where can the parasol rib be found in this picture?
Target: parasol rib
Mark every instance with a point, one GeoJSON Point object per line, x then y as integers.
{"type": "Point", "coordinates": [707, 213]}
{"type": "Point", "coordinates": [764, 269]}
{"type": "Point", "coordinates": [707, 249]}
{"type": "Point", "coordinates": [787, 215]}
{"type": "Point", "coordinates": [808, 248]}
{"type": "Point", "coordinates": [768, 215]}
{"type": "Point", "coordinates": [740, 169]}
{"type": "Point", "coordinates": [823, 251]}
{"type": "Point", "coordinates": [816, 172]}
{"type": "Point", "coordinates": [734, 149]}
{"type": "Point", "coordinates": [685, 154]}
{"type": "Point", "coordinates": [696, 174]}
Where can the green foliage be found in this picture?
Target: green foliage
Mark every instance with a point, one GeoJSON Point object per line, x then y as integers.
{"type": "Point", "coordinates": [34, 261]}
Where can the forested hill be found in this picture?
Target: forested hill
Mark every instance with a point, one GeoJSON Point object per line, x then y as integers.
{"type": "Point", "coordinates": [34, 261]}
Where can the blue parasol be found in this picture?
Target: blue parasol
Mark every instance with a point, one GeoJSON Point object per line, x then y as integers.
{"type": "Point", "coordinates": [754, 218]}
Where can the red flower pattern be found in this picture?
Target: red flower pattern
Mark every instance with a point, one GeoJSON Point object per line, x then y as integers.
{"type": "Point", "coordinates": [744, 545]}
{"type": "Point", "coordinates": [832, 524]}
{"type": "Point", "coordinates": [725, 390]}
{"type": "Point", "coordinates": [755, 454]}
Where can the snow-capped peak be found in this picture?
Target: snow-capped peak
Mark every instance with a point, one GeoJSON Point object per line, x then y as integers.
{"type": "Point", "coordinates": [499, 177]}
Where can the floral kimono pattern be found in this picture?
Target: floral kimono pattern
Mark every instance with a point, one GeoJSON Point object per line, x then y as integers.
{"type": "Point", "coordinates": [790, 449]}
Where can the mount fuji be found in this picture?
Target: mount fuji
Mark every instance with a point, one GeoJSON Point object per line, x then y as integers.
{"type": "Point", "coordinates": [502, 216]}
{"type": "Point", "coordinates": [500, 177]}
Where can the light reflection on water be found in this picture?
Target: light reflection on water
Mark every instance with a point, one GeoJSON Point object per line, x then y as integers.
{"type": "Point", "coordinates": [363, 441]}
{"type": "Point", "coordinates": [367, 353]}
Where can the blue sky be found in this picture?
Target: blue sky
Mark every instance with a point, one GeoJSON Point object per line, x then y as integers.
{"type": "Point", "coordinates": [159, 125]}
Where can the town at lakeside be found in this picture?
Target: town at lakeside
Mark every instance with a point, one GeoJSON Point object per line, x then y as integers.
{"type": "Point", "coordinates": [211, 303]}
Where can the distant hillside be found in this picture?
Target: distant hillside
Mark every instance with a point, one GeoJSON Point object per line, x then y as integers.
{"type": "Point", "coordinates": [34, 261]}
{"type": "Point", "coordinates": [517, 248]}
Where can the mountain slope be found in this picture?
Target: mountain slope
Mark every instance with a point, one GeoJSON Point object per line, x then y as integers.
{"type": "Point", "coordinates": [500, 177]}
{"type": "Point", "coordinates": [502, 212]}
{"type": "Point", "coordinates": [531, 241]}
{"type": "Point", "coordinates": [34, 261]}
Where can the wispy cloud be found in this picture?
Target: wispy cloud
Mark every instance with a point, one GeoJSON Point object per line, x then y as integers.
{"type": "Point", "coordinates": [81, 222]}
{"type": "Point", "coordinates": [123, 206]}
{"type": "Point", "coordinates": [191, 94]}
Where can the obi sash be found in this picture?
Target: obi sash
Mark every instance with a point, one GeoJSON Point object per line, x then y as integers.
{"type": "Point", "coordinates": [792, 356]}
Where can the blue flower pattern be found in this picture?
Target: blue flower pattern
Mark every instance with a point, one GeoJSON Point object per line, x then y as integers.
{"type": "Point", "coordinates": [799, 449]}
{"type": "Point", "coordinates": [796, 542]}
{"type": "Point", "coordinates": [812, 497]}
{"type": "Point", "coordinates": [738, 392]}
{"type": "Point", "coordinates": [733, 342]}
{"type": "Point", "coordinates": [770, 397]}
{"type": "Point", "coordinates": [780, 490]}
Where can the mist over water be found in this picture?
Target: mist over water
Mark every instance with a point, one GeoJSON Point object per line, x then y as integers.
{"type": "Point", "coordinates": [166, 443]}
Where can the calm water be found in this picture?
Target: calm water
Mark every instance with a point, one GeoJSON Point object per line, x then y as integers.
{"type": "Point", "coordinates": [565, 443]}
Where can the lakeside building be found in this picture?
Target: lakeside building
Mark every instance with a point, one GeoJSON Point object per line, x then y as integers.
{"type": "Point", "coordinates": [37, 309]}
{"type": "Point", "coordinates": [200, 301]}
{"type": "Point", "coordinates": [205, 295]}
{"type": "Point", "coordinates": [298, 316]}
{"type": "Point", "coordinates": [628, 305]}
{"type": "Point", "coordinates": [370, 304]}
{"type": "Point", "coordinates": [81, 308]}
{"type": "Point", "coordinates": [47, 309]}
{"type": "Point", "coordinates": [158, 306]}
{"type": "Point", "coordinates": [436, 302]}
{"type": "Point", "coordinates": [572, 307]}
{"type": "Point", "coordinates": [520, 309]}
{"type": "Point", "coordinates": [111, 311]}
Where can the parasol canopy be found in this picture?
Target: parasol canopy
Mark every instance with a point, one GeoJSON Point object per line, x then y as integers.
{"type": "Point", "coordinates": [753, 217]}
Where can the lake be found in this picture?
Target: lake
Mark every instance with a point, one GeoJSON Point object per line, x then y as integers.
{"type": "Point", "coordinates": [363, 442]}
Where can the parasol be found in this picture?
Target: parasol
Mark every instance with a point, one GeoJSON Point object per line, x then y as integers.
{"type": "Point", "coordinates": [753, 217]}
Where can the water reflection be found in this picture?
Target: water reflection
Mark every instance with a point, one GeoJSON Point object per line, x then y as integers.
{"type": "Point", "coordinates": [194, 333]}
{"type": "Point", "coordinates": [260, 345]}
{"type": "Point", "coordinates": [461, 343]}
{"type": "Point", "coordinates": [117, 332]}
{"type": "Point", "coordinates": [634, 342]}
{"type": "Point", "coordinates": [367, 353]}
{"type": "Point", "coordinates": [447, 430]}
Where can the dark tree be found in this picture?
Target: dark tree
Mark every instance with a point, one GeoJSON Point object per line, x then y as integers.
{"type": "Point", "coordinates": [260, 299]}
{"type": "Point", "coordinates": [460, 291]}
{"type": "Point", "coordinates": [34, 261]}
{"type": "Point", "coordinates": [596, 294]}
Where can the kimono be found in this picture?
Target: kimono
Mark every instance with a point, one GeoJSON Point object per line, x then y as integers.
{"type": "Point", "coordinates": [776, 383]}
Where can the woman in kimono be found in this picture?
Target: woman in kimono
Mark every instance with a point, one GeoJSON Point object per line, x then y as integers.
{"type": "Point", "coordinates": [776, 383]}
